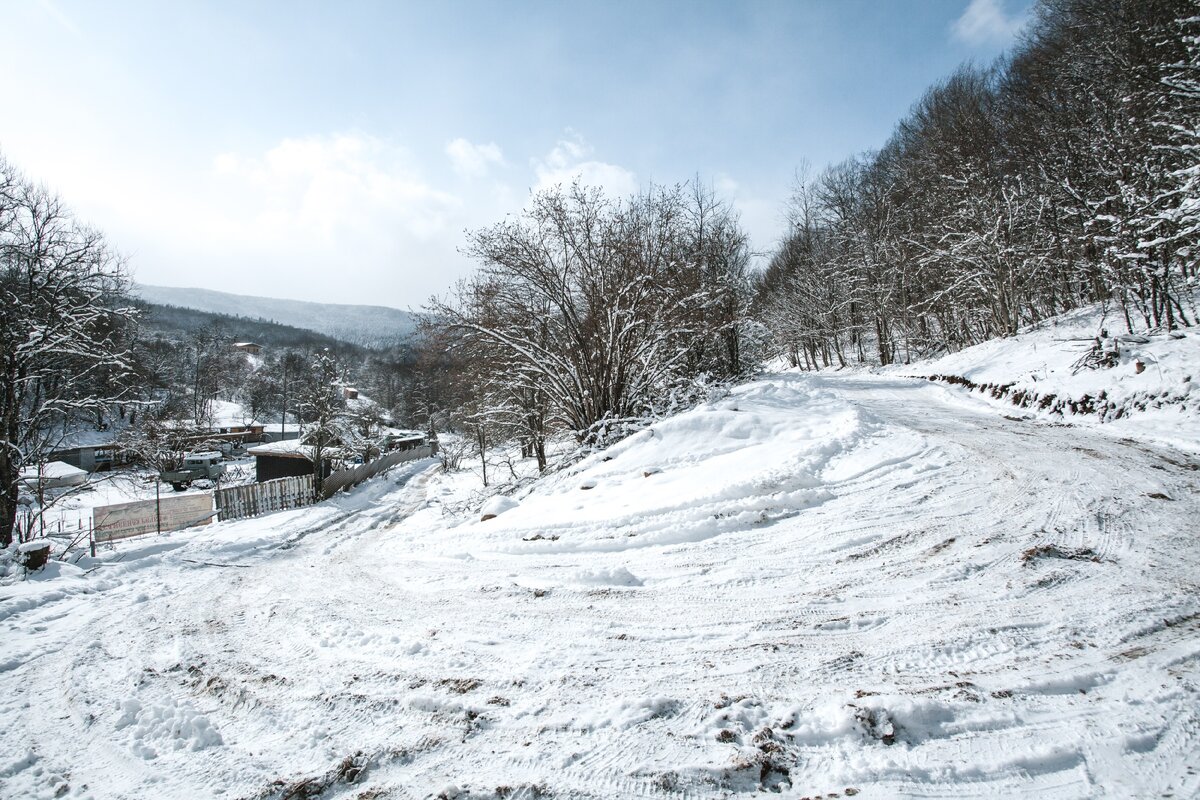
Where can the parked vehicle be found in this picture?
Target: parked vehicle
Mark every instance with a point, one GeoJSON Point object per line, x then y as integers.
{"type": "Point", "coordinates": [196, 466]}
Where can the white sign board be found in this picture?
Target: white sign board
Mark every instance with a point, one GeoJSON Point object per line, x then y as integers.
{"type": "Point", "coordinates": [122, 520]}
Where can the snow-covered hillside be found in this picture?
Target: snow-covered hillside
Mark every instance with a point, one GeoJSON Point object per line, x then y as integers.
{"type": "Point", "coordinates": [833, 586]}
{"type": "Point", "coordinates": [368, 325]}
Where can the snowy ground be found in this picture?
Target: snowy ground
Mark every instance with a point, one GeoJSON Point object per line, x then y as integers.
{"type": "Point", "coordinates": [823, 585]}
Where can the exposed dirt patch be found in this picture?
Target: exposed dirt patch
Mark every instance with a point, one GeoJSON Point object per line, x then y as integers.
{"type": "Point", "coordinates": [768, 764]}
{"type": "Point", "coordinates": [937, 548]}
{"type": "Point", "coordinates": [1100, 406]}
{"type": "Point", "coordinates": [876, 723]}
{"type": "Point", "coordinates": [460, 685]}
{"type": "Point", "coordinates": [1055, 551]}
{"type": "Point", "coordinates": [523, 791]}
{"type": "Point", "coordinates": [349, 770]}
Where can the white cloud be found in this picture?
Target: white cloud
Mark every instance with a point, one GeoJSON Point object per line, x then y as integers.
{"type": "Point", "coordinates": [62, 19]}
{"type": "Point", "coordinates": [725, 185]}
{"type": "Point", "coordinates": [342, 217]}
{"type": "Point", "coordinates": [331, 188]}
{"type": "Point", "coordinates": [473, 160]}
{"type": "Point", "coordinates": [985, 22]}
{"type": "Point", "coordinates": [570, 160]}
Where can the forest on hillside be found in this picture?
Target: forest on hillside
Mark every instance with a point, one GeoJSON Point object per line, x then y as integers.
{"type": "Point", "coordinates": [176, 320]}
{"type": "Point", "coordinates": [1067, 173]}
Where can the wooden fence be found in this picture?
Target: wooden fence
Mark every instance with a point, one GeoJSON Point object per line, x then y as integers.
{"type": "Point", "coordinates": [239, 502]}
{"type": "Point", "coordinates": [159, 515]}
{"type": "Point", "coordinates": [252, 500]}
{"type": "Point", "coordinates": [345, 478]}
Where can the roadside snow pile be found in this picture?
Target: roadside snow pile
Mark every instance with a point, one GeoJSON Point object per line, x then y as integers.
{"type": "Point", "coordinates": [753, 457]}
{"type": "Point", "coordinates": [616, 576]}
{"type": "Point", "coordinates": [1082, 366]}
{"type": "Point", "coordinates": [496, 506]}
{"type": "Point", "coordinates": [169, 726]}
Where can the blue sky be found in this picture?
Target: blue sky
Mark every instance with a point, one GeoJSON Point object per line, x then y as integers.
{"type": "Point", "coordinates": [337, 151]}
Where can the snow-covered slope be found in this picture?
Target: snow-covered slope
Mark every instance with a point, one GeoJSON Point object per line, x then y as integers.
{"type": "Point", "coordinates": [832, 586]}
{"type": "Point", "coordinates": [369, 325]}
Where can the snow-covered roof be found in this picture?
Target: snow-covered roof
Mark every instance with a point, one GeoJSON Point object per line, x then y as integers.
{"type": "Point", "coordinates": [401, 433]}
{"type": "Point", "coordinates": [86, 438]}
{"type": "Point", "coordinates": [52, 469]}
{"type": "Point", "coordinates": [288, 448]}
{"type": "Point", "coordinates": [225, 414]}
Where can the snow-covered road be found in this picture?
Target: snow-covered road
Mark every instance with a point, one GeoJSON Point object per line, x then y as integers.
{"type": "Point", "coordinates": [827, 586]}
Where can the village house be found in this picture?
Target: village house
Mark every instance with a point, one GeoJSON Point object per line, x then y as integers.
{"type": "Point", "coordinates": [229, 424]}
{"type": "Point", "coordinates": [91, 451]}
{"type": "Point", "coordinates": [284, 459]}
{"type": "Point", "coordinates": [280, 431]}
{"type": "Point", "coordinates": [294, 457]}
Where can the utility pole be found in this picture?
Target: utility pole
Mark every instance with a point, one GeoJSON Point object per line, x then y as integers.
{"type": "Point", "coordinates": [283, 417]}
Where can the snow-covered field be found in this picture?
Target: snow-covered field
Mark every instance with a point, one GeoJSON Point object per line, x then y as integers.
{"type": "Point", "coordinates": [822, 585]}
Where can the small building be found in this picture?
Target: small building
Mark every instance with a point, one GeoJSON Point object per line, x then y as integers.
{"type": "Point", "coordinates": [285, 459]}
{"type": "Point", "coordinates": [91, 451]}
{"type": "Point", "coordinates": [230, 423]}
{"type": "Point", "coordinates": [399, 439]}
{"type": "Point", "coordinates": [294, 456]}
{"type": "Point", "coordinates": [249, 432]}
{"type": "Point", "coordinates": [248, 347]}
{"type": "Point", "coordinates": [279, 432]}
{"type": "Point", "coordinates": [349, 393]}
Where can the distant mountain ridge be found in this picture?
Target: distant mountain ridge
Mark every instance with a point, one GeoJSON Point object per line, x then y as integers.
{"type": "Point", "coordinates": [178, 323]}
{"type": "Point", "coordinates": [373, 326]}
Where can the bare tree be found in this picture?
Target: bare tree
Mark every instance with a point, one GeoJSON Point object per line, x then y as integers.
{"type": "Point", "coordinates": [587, 311]}
{"type": "Point", "coordinates": [63, 329]}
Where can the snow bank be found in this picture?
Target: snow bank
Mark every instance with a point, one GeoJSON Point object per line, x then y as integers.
{"type": "Point", "coordinates": [748, 459]}
{"type": "Point", "coordinates": [169, 725]}
{"type": "Point", "coordinates": [617, 576]}
{"type": "Point", "coordinates": [1082, 368]}
{"type": "Point", "coordinates": [495, 506]}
